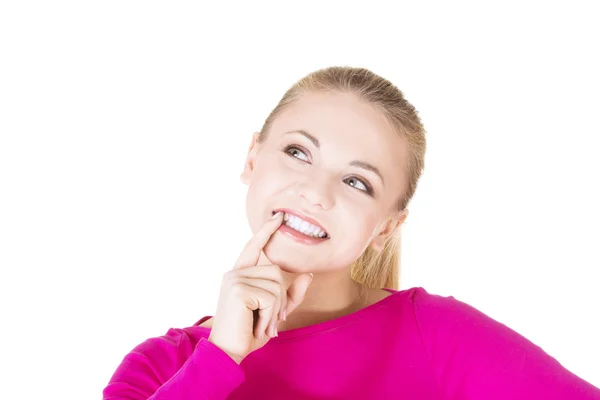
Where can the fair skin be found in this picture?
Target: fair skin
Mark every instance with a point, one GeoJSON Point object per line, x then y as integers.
{"type": "Point", "coordinates": [355, 205]}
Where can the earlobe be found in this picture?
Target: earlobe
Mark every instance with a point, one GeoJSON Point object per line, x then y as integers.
{"type": "Point", "coordinates": [243, 178]}
{"type": "Point", "coordinates": [392, 226]}
{"type": "Point", "coordinates": [378, 244]}
{"type": "Point", "coordinates": [247, 173]}
{"type": "Point", "coordinates": [249, 164]}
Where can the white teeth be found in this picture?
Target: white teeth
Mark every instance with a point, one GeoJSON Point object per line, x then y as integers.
{"type": "Point", "coordinates": [300, 225]}
{"type": "Point", "coordinates": [304, 226]}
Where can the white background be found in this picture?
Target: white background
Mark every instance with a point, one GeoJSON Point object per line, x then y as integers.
{"type": "Point", "coordinates": [124, 127]}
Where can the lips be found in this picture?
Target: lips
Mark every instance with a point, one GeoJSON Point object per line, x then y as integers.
{"type": "Point", "coordinates": [306, 218]}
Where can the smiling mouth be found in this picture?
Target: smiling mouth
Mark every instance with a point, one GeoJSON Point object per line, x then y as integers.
{"type": "Point", "coordinates": [300, 225]}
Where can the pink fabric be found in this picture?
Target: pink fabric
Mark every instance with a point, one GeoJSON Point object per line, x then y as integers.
{"type": "Point", "coordinates": [410, 345]}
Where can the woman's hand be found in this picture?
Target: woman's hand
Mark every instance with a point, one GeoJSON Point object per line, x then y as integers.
{"type": "Point", "coordinates": [249, 289]}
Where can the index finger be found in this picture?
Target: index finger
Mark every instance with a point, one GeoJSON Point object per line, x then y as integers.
{"type": "Point", "coordinates": [251, 253]}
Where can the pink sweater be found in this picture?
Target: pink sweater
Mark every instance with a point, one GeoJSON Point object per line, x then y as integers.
{"type": "Point", "coordinates": [410, 345]}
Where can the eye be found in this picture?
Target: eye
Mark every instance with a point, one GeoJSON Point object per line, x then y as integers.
{"type": "Point", "coordinates": [358, 183]}
{"type": "Point", "coordinates": [295, 152]}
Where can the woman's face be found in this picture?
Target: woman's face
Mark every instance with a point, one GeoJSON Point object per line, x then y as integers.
{"type": "Point", "coordinates": [333, 159]}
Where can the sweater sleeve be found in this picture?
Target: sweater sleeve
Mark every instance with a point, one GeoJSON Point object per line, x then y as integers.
{"type": "Point", "coordinates": [170, 367]}
{"type": "Point", "coordinates": [475, 357]}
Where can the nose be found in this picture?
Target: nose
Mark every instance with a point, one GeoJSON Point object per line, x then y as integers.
{"type": "Point", "coordinates": [316, 192]}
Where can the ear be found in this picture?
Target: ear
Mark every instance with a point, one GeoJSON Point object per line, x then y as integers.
{"type": "Point", "coordinates": [250, 158]}
{"type": "Point", "coordinates": [389, 227]}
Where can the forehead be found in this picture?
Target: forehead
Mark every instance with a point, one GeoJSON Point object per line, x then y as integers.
{"type": "Point", "coordinates": [348, 129]}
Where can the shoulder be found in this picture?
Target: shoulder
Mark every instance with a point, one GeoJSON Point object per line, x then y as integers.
{"type": "Point", "coordinates": [475, 356]}
{"type": "Point", "coordinates": [445, 309]}
{"type": "Point", "coordinates": [423, 302]}
{"type": "Point", "coordinates": [152, 364]}
{"type": "Point", "coordinates": [447, 325]}
{"type": "Point", "coordinates": [165, 353]}
{"type": "Point", "coordinates": [173, 347]}
{"type": "Point", "coordinates": [419, 295]}
{"type": "Point", "coordinates": [447, 319]}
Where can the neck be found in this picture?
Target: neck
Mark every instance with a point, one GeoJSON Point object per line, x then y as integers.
{"type": "Point", "coordinates": [330, 295]}
{"type": "Point", "coordinates": [330, 292]}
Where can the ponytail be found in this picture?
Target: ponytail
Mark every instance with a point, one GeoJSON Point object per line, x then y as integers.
{"type": "Point", "coordinates": [379, 270]}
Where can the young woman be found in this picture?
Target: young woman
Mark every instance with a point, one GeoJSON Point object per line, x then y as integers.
{"type": "Point", "coordinates": [311, 309]}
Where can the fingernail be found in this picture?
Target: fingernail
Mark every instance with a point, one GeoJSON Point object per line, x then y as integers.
{"type": "Point", "coordinates": [311, 275]}
{"type": "Point", "coordinates": [276, 215]}
{"type": "Point", "coordinates": [284, 315]}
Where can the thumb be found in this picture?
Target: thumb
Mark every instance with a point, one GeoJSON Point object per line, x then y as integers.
{"type": "Point", "coordinates": [297, 291]}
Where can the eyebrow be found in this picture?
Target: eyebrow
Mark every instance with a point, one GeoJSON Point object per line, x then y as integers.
{"type": "Point", "coordinates": [355, 163]}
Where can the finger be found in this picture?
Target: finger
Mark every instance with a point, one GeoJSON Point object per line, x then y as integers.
{"type": "Point", "coordinates": [274, 273]}
{"type": "Point", "coordinates": [260, 301]}
{"type": "Point", "coordinates": [270, 272]}
{"type": "Point", "coordinates": [277, 289]}
{"type": "Point", "coordinates": [265, 312]}
{"type": "Point", "coordinates": [297, 291]}
{"type": "Point", "coordinates": [272, 328]}
{"type": "Point", "coordinates": [251, 252]}
{"type": "Point", "coordinates": [279, 315]}
{"type": "Point", "coordinates": [282, 310]}
{"type": "Point", "coordinates": [268, 306]}
{"type": "Point", "coordinates": [264, 323]}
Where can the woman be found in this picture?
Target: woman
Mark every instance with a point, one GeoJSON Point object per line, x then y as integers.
{"type": "Point", "coordinates": [312, 307]}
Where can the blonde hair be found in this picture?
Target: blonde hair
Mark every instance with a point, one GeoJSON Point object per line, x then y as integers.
{"type": "Point", "coordinates": [372, 269]}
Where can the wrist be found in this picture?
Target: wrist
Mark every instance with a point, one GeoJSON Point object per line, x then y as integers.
{"type": "Point", "coordinates": [237, 358]}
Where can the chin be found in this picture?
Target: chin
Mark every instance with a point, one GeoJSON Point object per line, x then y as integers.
{"type": "Point", "coordinates": [289, 260]}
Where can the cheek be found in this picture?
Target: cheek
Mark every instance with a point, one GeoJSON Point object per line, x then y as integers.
{"type": "Point", "coordinates": [354, 230]}
{"type": "Point", "coordinates": [256, 205]}
{"type": "Point", "coordinates": [361, 233]}
{"type": "Point", "coordinates": [266, 183]}
{"type": "Point", "coordinates": [262, 193]}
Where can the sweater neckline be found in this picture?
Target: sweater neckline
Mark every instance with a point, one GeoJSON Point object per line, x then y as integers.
{"type": "Point", "coordinates": [326, 325]}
